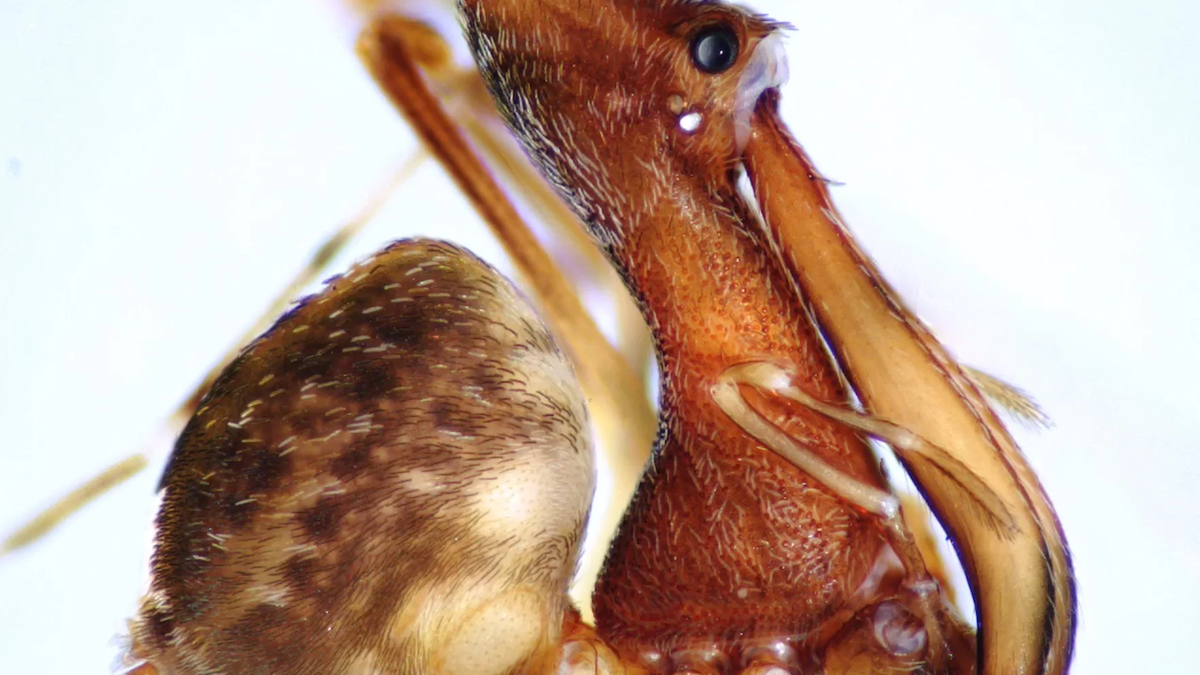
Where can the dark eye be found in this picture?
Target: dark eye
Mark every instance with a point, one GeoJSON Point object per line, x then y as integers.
{"type": "Point", "coordinates": [715, 49]}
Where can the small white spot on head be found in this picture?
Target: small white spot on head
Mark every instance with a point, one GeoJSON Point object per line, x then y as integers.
{"type": "Point", "coordinates": [690, 122]}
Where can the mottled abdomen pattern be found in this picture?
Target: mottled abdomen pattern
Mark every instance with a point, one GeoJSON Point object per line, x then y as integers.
{"type": "Point", "coordinates": [393, 479]}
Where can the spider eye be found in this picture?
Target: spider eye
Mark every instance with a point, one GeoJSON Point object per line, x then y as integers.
{"type": "Point", "coordinates": [715, 49]}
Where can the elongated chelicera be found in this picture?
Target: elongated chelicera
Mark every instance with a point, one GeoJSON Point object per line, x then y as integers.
{"type": "Point", "coordinates": [798, 547]}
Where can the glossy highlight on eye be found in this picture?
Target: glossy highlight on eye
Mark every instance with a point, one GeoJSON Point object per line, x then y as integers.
{"type": "Point", "coordinates": [715, 49]}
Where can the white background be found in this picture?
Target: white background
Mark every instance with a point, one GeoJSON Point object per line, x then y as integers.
{"type": "Point", "coordinates": [1026, 173]}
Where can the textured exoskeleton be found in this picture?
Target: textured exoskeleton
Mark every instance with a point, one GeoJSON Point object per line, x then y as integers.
{"type": "Point", "coordinates": [394, 478]}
